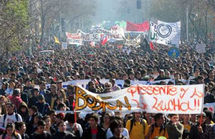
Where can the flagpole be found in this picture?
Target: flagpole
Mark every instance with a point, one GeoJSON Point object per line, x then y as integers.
{"type": "Point", "coordinates": [187, 27]}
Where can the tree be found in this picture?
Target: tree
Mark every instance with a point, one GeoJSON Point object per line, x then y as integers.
{"type": "Point", "coordinates": [13, 25]}
{"type": "Point", "coordinates": [52, 12]}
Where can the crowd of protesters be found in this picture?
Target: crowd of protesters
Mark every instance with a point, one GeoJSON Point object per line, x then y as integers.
{"type": "Point", "coordinates": [31, 109]}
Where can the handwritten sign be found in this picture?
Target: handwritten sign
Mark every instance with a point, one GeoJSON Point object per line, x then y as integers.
{"type": "Point", "coordinates": [150, 98]}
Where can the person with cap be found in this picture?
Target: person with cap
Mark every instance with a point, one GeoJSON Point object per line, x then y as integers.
{"type": "Point", "coordinates": [174, 127]}
{"type": "Point", "coordinates": [40, 132]}
{"type": "Point", "coordinates": [137, 126]}
{"type": "Point", "coordinates": [59, 85]}
{"type": "Point", "coordinates": [42, 106]}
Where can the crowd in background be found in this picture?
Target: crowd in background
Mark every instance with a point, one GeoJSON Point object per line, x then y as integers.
{"type": "Point", "coordinates": [29, 108]}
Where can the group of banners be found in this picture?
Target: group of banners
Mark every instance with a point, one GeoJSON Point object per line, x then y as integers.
{"type": "Point", "coordinates": [159, 32]}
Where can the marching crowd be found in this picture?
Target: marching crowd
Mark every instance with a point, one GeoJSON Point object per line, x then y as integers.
{"type": "Point", "coordinates": [33, 100]}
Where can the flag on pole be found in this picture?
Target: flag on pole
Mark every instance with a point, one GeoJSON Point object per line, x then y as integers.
{"type": "Point", "coordinates": [143, 27]}
{"type": "Point", "coordinates": [151, 46]}
{"type": "Point", "coordinates": [56, 40]}
{"type": "Point", "coordinates": [104, 41]}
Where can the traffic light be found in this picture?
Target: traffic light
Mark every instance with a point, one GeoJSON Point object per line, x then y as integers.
{"type": "Point", "coordinates": [139, 4]}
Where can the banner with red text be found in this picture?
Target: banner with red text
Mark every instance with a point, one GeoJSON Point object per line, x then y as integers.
{"type": "Point", "coordinates": [74, 38]}
{"type": "Point", "coordinates": [185, 99]}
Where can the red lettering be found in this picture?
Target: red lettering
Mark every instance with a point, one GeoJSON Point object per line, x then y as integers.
{"type": "Point", "coordinates": [195, 93]}
{"type": "Point", "coordinates": [183, 92]}
{"type": "Point", "coordinates": [174, 105]}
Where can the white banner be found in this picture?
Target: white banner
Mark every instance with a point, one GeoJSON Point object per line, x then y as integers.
{"type": "Point", "coordinates": [187, 99]}
{"type": "Point", "coordinates": [120, 83]}
{"type": "Point", "coordinates": [165, 33]}
{"type": "Point", "coordinates": [200, 48]}
{"type": "Point", "coordinates": [74, 38]}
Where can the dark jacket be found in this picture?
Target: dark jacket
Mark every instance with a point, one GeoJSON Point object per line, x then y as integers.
{"type": "Point", "coordinates": [63, 135]}
{"type": "Point", "coordinates": [43, 108]}
{"type": "Point", "coordinates": [208, 132]}
{"type": "Point", "coordinates": [101, 134]}
{"type": "Point", "coordinates": [175, 131]}
{"type": "Point", "coordinates": [45, 135]}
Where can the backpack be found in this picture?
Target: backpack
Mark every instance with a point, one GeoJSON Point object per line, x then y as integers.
{"type": "Point", "coordinates": [16, 115]}
{"type": "Point", "coordinates": [132, 124]}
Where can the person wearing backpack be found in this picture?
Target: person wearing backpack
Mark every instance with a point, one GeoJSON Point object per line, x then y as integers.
{"type": "Point", "coordinates": [158, 128]}
{"type": "Point", "coordinates": [137, 126]}
{"type": "Point", "coordinates": [10, 117]}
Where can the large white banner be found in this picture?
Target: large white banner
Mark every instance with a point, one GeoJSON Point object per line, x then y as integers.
{"type": "Point", "coordinates": [186, 99]}
{"type": "Point", "coordinates": [165, 33]}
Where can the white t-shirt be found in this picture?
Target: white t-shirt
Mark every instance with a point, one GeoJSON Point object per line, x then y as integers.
{"type": "Point", "coordinates": [109, 134]}
{"type": "Point", "coordinates": [9, 119]}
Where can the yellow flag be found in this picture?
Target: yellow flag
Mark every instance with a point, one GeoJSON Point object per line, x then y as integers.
{"type": "Point", "coordinates": [56, 40]}
{"type": "Point", "coordinates": [128, 36]}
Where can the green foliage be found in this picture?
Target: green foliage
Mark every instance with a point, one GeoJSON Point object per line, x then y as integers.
{"type": "Point", "coordinates": [13, 24]}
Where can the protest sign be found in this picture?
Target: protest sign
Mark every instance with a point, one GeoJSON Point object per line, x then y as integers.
{"type": "Point", "coordinates": [64, 45]}
{"type": "Point", "coordinates": [143, 27]}
{"type": "Point", "coordinates": [150, 98]}
{"type": "Point", "coordinates": [74, 38]}
{"type": "Point", "coordinates": [165, 33]}
{"type": "Point", "coordinates": [200, 48]}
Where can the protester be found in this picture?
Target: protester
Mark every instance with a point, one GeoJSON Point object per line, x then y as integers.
{"type": "Point", "coordinates": [40, 132]}
{"type": "Point", "coordinates": [137, 127]}
{"type": "Point", "coordinates": [21, 129]}
{"type": "Point", "coordinates": [11, 116]}
{"type": "Point", "coordinates": [94, 131]}
{"type": "Point", "coordinates": [158, 128]}
{"type": "Point", "coordinates": [72, 125]}
{"type": "Point", "coordinates": [10, 132]}
{"type": "Point", "coordinates": [174, 127]}
{"type": "Point", "coordinates": [116, 128]}
{"type": "Point", "coordinates": [61, 132]}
